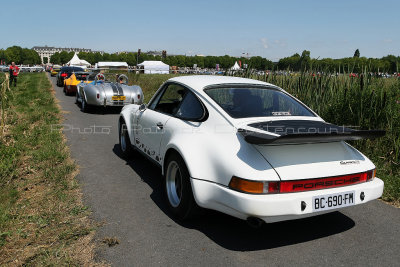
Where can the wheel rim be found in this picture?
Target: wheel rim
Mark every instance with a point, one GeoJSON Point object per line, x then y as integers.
{"type": "Point", "coordinates": [174, 184]}
{"type": "Point", "coordinates": [122, 138]}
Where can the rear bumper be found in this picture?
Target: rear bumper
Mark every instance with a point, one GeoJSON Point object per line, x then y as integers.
{"type": "Point", "coordinates": [117, 103]}
{"type": "Point", "coordinates": [274, 207]}
{"type": "Point", "coordinates": [71, 88]}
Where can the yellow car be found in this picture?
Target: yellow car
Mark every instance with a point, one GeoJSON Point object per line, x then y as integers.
{"type": "Point", "coordinates": [54, 70]}
{"type": "Point", "coordinates": [71, 84]}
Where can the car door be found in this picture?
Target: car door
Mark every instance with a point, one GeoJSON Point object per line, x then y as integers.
{"type": "Point", "coordinates": [151, 122]}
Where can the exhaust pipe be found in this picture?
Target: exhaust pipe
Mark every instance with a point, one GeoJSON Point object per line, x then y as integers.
{"type": "Point", "coordinates": [254, 222]}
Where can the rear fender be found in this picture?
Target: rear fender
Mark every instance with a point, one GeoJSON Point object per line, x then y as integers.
{"type": "Point", "coordinates": [216, 157]}
{"type": "Point", "coordinates": [128, 114]}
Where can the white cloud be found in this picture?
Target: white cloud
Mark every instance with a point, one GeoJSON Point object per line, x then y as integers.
{"type": "Point", "coordinates": [280, 42]}
{"type": "Point", "coordinates": [264, 42]}
{"type": "Point", "coordinates": [273, 43]}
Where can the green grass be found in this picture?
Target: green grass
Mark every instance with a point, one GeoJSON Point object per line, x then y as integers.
{"type": "Point", "coordinates": [149, 82]}
{"type": "Point", "coordinates": [42, 219]}
{"type": "Point", "coordinates": [368, 102]}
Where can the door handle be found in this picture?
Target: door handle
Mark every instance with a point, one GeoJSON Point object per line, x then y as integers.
{"type": "Point", "coordinates": [160, 125]}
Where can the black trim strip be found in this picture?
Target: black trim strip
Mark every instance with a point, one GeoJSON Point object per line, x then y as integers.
{"type": "Point", "coordinates": [120, 90]}
{"type": "Point", "coordinates": [295, 138]}
{"type": "Point", "coordinates": [115, 89]}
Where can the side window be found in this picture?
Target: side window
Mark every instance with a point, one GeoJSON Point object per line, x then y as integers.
{"type": "Point", "coordinates": [191, 108]}
{"type": "Point", "coordinates": [153, 103]}
{"type": "Point", "coordinates": [171, 99]}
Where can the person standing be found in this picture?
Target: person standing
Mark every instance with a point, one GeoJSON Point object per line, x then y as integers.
{"type": "Point", "coordinates": [14, 71]}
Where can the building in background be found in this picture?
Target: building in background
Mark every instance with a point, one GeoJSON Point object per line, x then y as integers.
{"type": "Point", "coordinates": [48, 51]}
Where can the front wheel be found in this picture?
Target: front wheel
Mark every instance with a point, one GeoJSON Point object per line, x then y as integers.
{"type": "Point", "coordinates": [124, 141]}
{"type": "Point", "coordinates": [178, 189]}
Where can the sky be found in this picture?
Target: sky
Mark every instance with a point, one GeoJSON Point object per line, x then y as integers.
{"type": "Point", "coordinates": [271, 29]}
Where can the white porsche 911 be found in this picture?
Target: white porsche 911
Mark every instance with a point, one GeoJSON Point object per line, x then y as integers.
{"type": "Point", "coordinates": [248, 149]}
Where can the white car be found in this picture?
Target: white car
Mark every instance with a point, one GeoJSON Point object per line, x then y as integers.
{"type": "Point", "coordinates": [248, 149]}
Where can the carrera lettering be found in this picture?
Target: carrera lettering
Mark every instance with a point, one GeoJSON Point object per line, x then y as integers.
{"type": "Point", "coordinates": [349, 162]}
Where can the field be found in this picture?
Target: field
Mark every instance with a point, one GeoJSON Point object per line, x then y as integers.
{"type": "Point", "coordinates": [42, 220]}
{"type": "Point", "coordinates": [366, 101]}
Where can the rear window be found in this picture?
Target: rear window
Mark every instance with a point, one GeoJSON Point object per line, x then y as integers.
{"type": "Point", "coordinates": [77, 69]}
{"type": "Point", "coordinates": [81, 76]}
{"type": "Point", "coordinates": [244, 102]}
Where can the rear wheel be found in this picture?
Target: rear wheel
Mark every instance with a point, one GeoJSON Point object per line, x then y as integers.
{"type": "Point", "coordinates": [84, 105]}
{"type": "Point", "coordinates": [124, 141]}
{"type": "Point", "coordinates": [178, 189]}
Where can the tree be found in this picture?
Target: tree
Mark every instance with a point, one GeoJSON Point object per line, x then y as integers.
{"type": "Point", "coordinates": [2, 56]}
{"type": "Point", "coordinates": [97, 57]}
{"type": "Point", "coordinates": [305, 60]}
{"type": "Point", "coordinates": [13, 54]}
{"type": "Point", "coordinates": [65, 57]}
{"type": "Point", "coordinates": [45, 60]}
{"type": "Point", "coordinates": [357, 53]}
{"type": "Point", "coordinates": [55, 58]}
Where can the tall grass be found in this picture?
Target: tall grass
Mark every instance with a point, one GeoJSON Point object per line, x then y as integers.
{"type": "Point", "coordinates": [149, 82]}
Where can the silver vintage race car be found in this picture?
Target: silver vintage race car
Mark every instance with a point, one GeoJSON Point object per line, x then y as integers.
{"type": "Point", "coordinates": [103, 92]}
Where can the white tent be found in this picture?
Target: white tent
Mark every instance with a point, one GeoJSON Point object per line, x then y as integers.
{"type": "Point", "coordinates": [236, 66]}
{"type": "Point", "coordinates": [75, 61]}
{"type": "Point", "coordinates": [111, 65]}
{"type": "Point", "coordinates": [152, 67]}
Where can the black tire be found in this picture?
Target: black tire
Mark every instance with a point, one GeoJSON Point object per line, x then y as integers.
{"type": "Point", "coordinates": [84, 105]}
{"type": "Point", "coordinates": [179, 194]}
{"type": "Point", "coordinates": [124, 141]}
{"type": "Point", "coordinates": [65, 90]}
{"type": "Point", "coordinates": [76, 98]}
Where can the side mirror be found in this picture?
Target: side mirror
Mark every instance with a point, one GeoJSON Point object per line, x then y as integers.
{"type": "Point", "coordinates": [142, 107]}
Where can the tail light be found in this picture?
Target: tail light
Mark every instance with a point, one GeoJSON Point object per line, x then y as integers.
{"type": "Point", "coordinates": [253, 187]}
{"type": "Point", "coordinates": [138, 96]}
{"type": "Point", "coordinates": [371, 175]}
{"type": "Point", "coordinates": [64, 75]}
{"type": "Point", "coordinates": [268, 187]}
{"type": "Point", "coordinates": [83, 76]}
{"type": "Point", "coordinates": [98, 95]}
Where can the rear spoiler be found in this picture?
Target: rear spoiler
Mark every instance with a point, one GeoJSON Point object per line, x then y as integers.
{"type": "Point", "coordinates": [297, 132]}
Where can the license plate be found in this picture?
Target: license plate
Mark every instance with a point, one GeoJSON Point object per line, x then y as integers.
{"type": "Point", "coordinates": [120, 97]}
{"type": "Point", "coordinates": [333, 201]}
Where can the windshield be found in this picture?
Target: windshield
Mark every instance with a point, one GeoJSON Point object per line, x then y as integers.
{"type": "Point", "coordinates": [81, 76]}
{"type": "Point", "coordinates": [241, 102]}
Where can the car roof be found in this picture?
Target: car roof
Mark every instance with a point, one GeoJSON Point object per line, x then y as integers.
{"type": "Point", "coordinates": [70, 68]}
{"type": "Point", "coordinates": [198, 82]}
